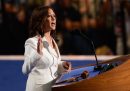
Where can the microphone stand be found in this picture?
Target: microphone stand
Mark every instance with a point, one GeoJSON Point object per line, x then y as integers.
{"type": "Point", "coordinates": [97, 67]}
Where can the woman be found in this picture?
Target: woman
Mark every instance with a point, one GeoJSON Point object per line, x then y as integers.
{"type": "Point", "coordinates": [42, 58]}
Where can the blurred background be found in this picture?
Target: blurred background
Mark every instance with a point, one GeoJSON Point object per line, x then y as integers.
{"type": "Point", "coordinates": [79, 22]}
{"type": "Point", "coordinates": [105, 22]}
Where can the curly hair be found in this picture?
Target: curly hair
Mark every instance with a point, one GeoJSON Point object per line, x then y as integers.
{"type": "Point", "coordinates": [37, 21]}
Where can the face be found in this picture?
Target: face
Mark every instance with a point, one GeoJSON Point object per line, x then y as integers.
{"type": "Point", "coordinates": [51, 20]}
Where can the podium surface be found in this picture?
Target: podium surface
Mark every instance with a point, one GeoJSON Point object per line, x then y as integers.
{"type": "Point", "coordinates": [116, 79]}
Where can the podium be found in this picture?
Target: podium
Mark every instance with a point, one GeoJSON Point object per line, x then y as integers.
{"type": "Point", "coordinates": [115, 79]}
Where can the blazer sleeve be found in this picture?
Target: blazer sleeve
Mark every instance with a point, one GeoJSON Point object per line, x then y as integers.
{"type": "Point", "coordinates": [30, 56]}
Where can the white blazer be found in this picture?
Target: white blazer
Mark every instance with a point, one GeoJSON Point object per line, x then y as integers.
{"type": "Point", "coordinates": [41, 70]}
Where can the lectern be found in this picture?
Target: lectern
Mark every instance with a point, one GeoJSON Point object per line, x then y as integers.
{"type": "Point", "coordinates": [114, 79]}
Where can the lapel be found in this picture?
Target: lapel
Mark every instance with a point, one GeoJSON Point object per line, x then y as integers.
{"type": "Point", "coordinates": [48, 47]}
{"type": "Point", "coordinates": [56, 47]}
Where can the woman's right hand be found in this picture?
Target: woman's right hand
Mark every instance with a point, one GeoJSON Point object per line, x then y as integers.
{"type": "Point", "coordinates": [39, 45]}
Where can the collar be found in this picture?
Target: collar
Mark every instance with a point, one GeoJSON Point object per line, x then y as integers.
{"type": "Point", "coordinates": [48, 47]}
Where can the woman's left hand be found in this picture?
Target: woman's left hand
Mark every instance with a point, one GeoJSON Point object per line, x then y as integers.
{"type": "Point", "coordinates": [67, 66]}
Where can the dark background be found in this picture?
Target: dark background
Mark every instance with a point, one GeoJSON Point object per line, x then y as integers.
{"type": "Point", "coordinates": [105, 22]}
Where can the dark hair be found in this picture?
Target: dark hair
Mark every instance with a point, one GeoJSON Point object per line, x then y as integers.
{"type": "Point", "coordinates": [37, 20]}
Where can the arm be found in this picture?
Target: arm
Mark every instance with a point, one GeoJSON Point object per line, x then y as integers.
{"type": "Point", "coordinates": [30, 57]}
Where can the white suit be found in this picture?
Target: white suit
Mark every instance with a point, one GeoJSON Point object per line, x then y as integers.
{"type": "Point", "coordinates": [41, 70]}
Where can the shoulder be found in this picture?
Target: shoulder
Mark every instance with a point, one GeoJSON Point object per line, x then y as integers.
{"type": "Point", "coordinates": [31, 41]}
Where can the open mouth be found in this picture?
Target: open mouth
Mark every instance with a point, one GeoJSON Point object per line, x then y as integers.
{"type": "Point", "coordinates": [53, 23]}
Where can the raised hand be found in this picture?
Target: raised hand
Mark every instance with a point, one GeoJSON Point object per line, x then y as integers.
{"type": "Point", "coordinates": [39, 45]}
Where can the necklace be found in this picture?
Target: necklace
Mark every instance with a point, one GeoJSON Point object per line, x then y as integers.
{"type": "Point", "coordinates": [49, 40]}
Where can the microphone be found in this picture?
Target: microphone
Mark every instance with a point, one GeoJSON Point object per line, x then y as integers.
{"type": "Point", "coordinates": [97, 67]}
